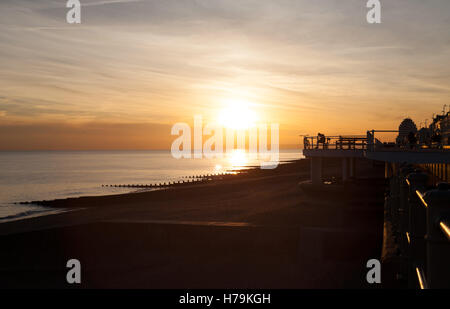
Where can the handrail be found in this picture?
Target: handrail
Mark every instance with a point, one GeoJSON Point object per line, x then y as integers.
{"type": "Point", "coordinates": [420, 195]}
{"type": "Point", "coordinates": [426, 223]}
{"type": "Point", "coordinates": [385, 131]}
{"type": "Point", "coordinates": [335, 142]}
{"type": "Point", "coordinates": [338, 136]}
{"type": "Point", "coordinates": [421, 277]}
{"type": "Point", "coordinates": [369, 142]}
{"type": "Point", "coordinates": [445, 227]}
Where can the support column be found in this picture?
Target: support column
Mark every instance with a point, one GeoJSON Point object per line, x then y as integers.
{"type": "Point", "coordinates": [387, 170]}
{"type": "Point", "coordinates": [352, 167]}
{"type": "Point", "coordinates": [434, 174]}
{"type": "Point", "coordinates": [446, 172]}
{"type": "Point", "coordinates": [316, 170]}
{"type": "Point", "coordinates": [345, 169]}
{"type": "Point", "coordinates": [395, 168]}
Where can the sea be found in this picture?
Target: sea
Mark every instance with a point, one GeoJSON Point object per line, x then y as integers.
{"type": "Point", "coordinates": [47, 175]}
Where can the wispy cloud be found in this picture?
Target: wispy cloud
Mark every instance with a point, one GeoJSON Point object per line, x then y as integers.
{"type": "Point", "coordinates": [163, 61]}
{"type": "Point", "coordinates": [106, 2]}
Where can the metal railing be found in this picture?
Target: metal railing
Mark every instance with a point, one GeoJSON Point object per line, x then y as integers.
{"type": "Point", "coordinates": [421, 278]}
{"type": "Point", "coordinates": [368, 142]}
{"type": "Point", "coordinates": [420, 217]}
{"type": "Point", "coordinates": [445, 227]}
{"type": "Point", "coordinates": [335, 142]}
{"type": "Point", "coordinates": [375, 144]}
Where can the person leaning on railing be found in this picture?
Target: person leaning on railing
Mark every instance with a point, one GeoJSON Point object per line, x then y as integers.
{"type": "Point", "coordinates": [306, 142]}
{"type": "Point", "coordinates": [320, 140]}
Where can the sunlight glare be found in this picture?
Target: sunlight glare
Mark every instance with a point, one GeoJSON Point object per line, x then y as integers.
{"type": "Point", "coordinates": [238, 158]}
{"type": "Point", "coordinates": [237, 115]}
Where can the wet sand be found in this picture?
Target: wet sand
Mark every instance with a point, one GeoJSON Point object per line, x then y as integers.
{"type": "Point", "coordinates": [260, 229]}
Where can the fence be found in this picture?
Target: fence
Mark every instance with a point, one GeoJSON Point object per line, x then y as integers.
{"type": "Point", "coordinates": [420, 216]}
{"type": "Point", "coordinates": [371, 141]}
{"type": "Point", "coordinates": [335, 142]}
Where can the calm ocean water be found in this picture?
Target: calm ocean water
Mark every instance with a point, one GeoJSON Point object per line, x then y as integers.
{"type": "Point", "coordinates": [46, 175]}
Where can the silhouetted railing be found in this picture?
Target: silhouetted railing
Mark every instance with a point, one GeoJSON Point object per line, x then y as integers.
{"type": "Point", "coordinates": [420, 218]}
{"type": "Point", "coordinates": [335, 142]}
{"type": "Point", "coordinates": [369, 142]}
{"type": "Point", "coordinates": [445, 227]}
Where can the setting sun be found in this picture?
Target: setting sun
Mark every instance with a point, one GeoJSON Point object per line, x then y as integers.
{"type": "Point", "coordinates": [237, 115]}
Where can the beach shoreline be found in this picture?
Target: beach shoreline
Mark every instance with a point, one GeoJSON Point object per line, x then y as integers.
{"type": "Point", "coordinates": [256, 229]}
{"type": "Point", "coordinates": [44, 210]}
{"type": "Point", "coordinates": [33, 176]}
{"type": "Point", "coordinates": [63, 205]}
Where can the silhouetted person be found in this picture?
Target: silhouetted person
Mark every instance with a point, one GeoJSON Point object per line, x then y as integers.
{"type": "Point", "coordinates": [306, 142]}
{"type": "Point", "coordinates": [412, 139]}
{"type": "Point", "coordinates": [320, 140]}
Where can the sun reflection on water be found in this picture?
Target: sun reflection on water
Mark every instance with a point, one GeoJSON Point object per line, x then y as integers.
{"type": "Point", "coordinates": [237, 159]}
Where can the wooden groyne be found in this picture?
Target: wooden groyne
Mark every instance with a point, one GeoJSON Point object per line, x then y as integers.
{"type": "Point", "coordinates": [185, 180]}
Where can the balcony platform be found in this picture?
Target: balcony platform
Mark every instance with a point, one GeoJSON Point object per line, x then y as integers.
{"type": "Point", "coordinates": [419, 156]}
{"type": "Point", "coordinates": [423, 156]}
{"type": "Point", "coordinates": [334, 153]}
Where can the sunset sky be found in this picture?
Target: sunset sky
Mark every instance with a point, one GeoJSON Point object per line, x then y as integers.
{"type": "Point", "coordinates": [133, 68]}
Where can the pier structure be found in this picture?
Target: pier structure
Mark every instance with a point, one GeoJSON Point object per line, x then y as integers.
{"type": "Point", "coordinates": [350, 148]}
{"type": "Point", "coordinates": [346, 148]}
{"type": "Point", "coordinates": [417, 198]}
